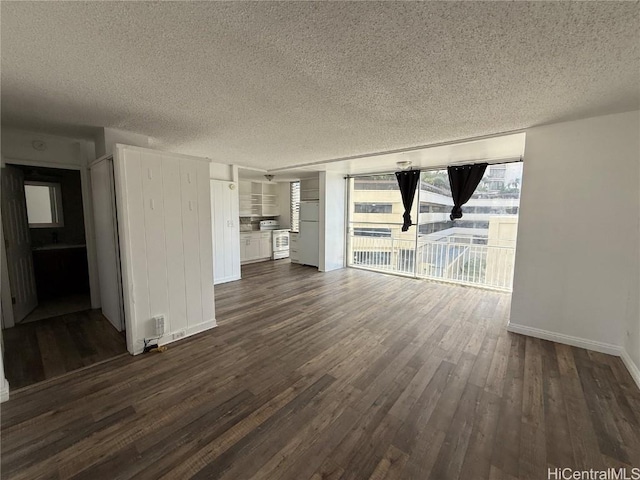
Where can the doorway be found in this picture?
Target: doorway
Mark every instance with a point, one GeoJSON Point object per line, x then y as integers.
{"type": "Point", "coordinates": [51, 328]}
{"type": "Point", "coordinates": [43, 221]}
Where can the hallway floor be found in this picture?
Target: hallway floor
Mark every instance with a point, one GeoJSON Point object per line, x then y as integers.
{"type": "Point", "coordinates": [43, 349]}
{"type": "Point", "coordinates": [56, 307]}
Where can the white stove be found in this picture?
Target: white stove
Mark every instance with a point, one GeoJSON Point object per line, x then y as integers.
{"type": "Point", "coordinates": [280, 240]}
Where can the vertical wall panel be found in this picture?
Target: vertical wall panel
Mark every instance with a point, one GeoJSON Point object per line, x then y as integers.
{"type": "Point", "coordinates": [206, 249]}
{"type": "Point", "coordinates": [226, 234]}
{"type": "Point", "coordinates": [177, 317]}
{"type": "Point", "coordinates": [137, 243]}
{"type": "Point", "coordinates": [154, 228]}
{"type": "Point", "coordinates": [217, 216]}
{"type": "Point", "coordinates": [191, 239]}
{"type": "Point", "coordinates": [227, 231]}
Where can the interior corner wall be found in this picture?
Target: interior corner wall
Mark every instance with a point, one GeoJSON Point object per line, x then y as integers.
{"type": "Point", "coordinates": [332, 221]}
{"type": "Point", "coordinates": [576, 269]}
{"type": "Point", "coordinates": [221, 171]}
{"type": "Point", "coordinates": [164, 219]}
{"type": "Point", "coordinates": [107, 139]}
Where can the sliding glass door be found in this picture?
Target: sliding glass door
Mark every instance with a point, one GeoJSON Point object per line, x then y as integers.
{"type": "Point", "coordinates": [478, 249]}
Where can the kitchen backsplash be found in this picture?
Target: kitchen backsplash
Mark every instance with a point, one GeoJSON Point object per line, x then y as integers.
{"type": "Point", "coordinates": [248, 224]}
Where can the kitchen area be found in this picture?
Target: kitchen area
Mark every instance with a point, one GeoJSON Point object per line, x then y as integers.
{"type": "Point", "coordinates": [267, 229]}
{"type": "Point", "coordinates": [261, 235]}
{"type": "Point", "coordinates": [260, 218]}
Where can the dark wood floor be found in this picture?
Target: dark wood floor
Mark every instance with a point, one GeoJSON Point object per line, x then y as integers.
{"type": "Point", "coordinates": [344, 375]}
{"type": "Point", "coordinates": [44, 349]}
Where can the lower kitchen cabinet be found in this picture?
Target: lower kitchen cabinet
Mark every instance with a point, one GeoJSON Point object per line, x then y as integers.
{"type": "Point", "coordinates": [294, 254]}
{"type": "Point", "coordinates": [255, 246]}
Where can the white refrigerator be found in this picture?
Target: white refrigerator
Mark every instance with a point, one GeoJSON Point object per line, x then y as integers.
{"type": "Point", "coordinates": [309, 235]}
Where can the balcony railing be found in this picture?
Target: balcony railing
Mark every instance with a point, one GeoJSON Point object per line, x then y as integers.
{"type": "Point", "coordinates": [462, 263]}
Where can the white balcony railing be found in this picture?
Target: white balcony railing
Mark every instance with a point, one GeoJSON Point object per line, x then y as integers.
{"type": "Point", "coordinates": [462, 263]}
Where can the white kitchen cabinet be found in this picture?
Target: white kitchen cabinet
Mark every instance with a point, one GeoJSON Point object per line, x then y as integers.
{"type": "Point", "coordinates": [308, 243]}
{"type": "Point", "coordinates": [255, 246]}
{"type": "Point", "coordinates": [266, 239]}
{"type": "Point", "coordinates": [309, 189]}
{"type": "Point", "coordinates": [226, 240]}
{"type": "Point", "coordinates": [249, 247]}
{"type": "Point", "coordinates": [294, 254]}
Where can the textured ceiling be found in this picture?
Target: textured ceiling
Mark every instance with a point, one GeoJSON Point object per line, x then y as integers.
{"type": "Point", "coordinates": [269, 85]}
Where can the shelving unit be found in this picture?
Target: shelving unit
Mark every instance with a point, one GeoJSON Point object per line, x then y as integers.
{"type": "Point", "coordinates": [270, 199]}
{"type": "Point", "coordinates": [258, 199]}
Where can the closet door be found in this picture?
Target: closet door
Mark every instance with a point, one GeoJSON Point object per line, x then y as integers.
{"type": "Point", "coordinates": [225, 231]}
{"type": "Point", "coordinates": [107, 247]}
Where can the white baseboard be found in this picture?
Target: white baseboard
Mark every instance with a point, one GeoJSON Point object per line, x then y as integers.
{"type": "Point", "coordinates": [201, 327]}
{"type": "Point", "coordinates": [632, 367]}
{"type": "Point", "coordinates": [566, 339]}
{"type": "Point", "coordinates": [168, 338]}
{"type": "Point", "coordinates": [226, 279]}
{"type": "Point", "coordinates": [581, 343]}
{"type": "Point", "coordinates": [4, 391]}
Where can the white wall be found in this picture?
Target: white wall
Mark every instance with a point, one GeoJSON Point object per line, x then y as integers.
{"type": "Point", "coordinates": [632, 328]}
{"type": "Point", "coordinates": [108, 138]}
{"type": "Point", "coordinates": [221, 171]}
{"type": "Point", "coordinates": [332, 221]}
{"type": "Point", "coordinates": [284, 204]}
{"type": "Point", "coordinates": [164, 215]}
{"type": "Point", "coordinates": [576, 271]}
{"type": "Point", "coordinates": [60, 152]}
{"type": "Point", "coordinates": [18, 144]}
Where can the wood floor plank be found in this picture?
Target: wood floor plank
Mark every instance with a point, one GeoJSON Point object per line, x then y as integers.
{"type": "Point", "coordinates": [507, 457]}
{"type": "Point", "coordinates": [341, 375]}
{"type": "Point", "coordinates": [584, 440]}
{"type": "Point", "coordinates": [49, 348]}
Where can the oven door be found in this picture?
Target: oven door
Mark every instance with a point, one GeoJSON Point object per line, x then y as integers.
{"type": "Point", "coordinates": [280, 245]}
{"type": "Point", "coordinates": [280, 241]}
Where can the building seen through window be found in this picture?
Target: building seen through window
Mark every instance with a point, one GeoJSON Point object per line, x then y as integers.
{"type": "Point", "coordinates": [477, 249]}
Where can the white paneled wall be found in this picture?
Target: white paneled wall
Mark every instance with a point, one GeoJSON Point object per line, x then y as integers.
{"type": "Point", "coordinates": [165, 226]}
{"type": "Point", "coordinates": [226, 231]}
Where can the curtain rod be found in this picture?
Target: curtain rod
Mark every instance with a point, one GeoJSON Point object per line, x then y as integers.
{"type": "Point", "coordinates": [457, 164]}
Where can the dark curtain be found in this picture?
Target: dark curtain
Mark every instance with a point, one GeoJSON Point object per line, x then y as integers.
{"type": "Point", "coordinates": [464, 180]}
{"type": "Point", "coordinates": [407, 181]}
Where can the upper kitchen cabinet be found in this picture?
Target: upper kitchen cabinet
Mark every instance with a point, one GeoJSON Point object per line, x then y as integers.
{"type": "Point", "coordinates": [310, 189]}
{"type": "Point", "coordinates": [258, 199]}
